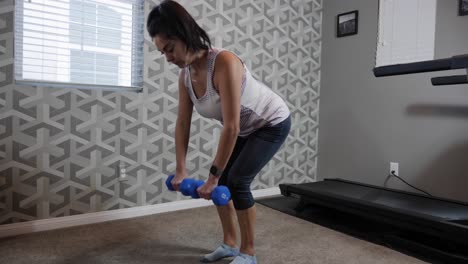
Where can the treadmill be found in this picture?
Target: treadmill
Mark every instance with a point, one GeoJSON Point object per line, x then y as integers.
{"type": "Point", "coordinates": [430, 217]}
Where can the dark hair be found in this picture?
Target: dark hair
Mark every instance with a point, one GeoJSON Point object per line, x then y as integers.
{"type": "Point", "coordinates": [172, 20]}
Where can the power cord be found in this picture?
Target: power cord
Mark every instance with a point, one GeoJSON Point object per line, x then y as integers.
{"type": "Point", "coordinates": [393, 174]}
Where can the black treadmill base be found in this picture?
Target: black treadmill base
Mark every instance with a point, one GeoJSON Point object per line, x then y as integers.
{"type": "Point", "coordinates": [432, 216]}
{"type": "Point", "coordinates": [425, 248]}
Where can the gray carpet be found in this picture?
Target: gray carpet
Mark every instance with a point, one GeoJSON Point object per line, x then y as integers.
{"type": "Point", "coordinates": [183, 236]}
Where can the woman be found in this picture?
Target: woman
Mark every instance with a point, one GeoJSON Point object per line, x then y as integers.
{"type": "Point", "coordinates": [255, 120]}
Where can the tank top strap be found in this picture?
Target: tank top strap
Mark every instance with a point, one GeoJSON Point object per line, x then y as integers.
{"type": "Point", "coordinates": [212, 54]}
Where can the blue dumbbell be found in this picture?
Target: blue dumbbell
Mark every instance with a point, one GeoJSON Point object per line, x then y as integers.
{"type": "Point", "coordinates": [169, 184]}
{"type": "Point", "coordinates": [221, 195]}
{"type": "Point", "coordinates": [188, 187]}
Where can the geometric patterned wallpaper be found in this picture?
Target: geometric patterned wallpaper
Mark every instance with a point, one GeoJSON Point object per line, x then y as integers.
{"type": "Point", "coordinates": [60, 149]}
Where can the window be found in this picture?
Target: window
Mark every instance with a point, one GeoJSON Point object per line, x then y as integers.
{"type": "Point", "coordinates": [406, 31]}
{"type": "Point", "coordinates": [80, 43]}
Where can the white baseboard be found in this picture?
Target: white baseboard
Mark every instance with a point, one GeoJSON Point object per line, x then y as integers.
{"type": "Point", "coordinates": [98, 217]}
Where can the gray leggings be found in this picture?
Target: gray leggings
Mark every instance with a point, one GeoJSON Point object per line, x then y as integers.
{"type": "Point", "coordinates": [249, 156]}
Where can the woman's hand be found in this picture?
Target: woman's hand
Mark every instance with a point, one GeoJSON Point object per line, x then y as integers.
{"type": "Point", "coordinates": [178, 178]}
{"type": "Point", "coordinates": [206, 189]}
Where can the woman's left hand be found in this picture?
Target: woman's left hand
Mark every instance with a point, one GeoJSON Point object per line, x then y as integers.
{"type": "Point", "coordinates": [207, 188]}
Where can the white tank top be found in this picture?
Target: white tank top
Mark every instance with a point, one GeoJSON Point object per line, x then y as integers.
{"type": "Point", "coordinates": [260, 106]}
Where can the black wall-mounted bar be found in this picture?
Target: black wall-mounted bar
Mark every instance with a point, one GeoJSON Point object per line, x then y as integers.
{"type": "Point", "coordinates": [449, 80]}
{"type": "Point", "coordinates": [456, 62]}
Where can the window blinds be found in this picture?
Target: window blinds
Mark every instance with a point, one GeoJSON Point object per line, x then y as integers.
{"type": "Point", "coordinates": [80, 43]}
{"type": "Point", "coordinates": [406, 31]}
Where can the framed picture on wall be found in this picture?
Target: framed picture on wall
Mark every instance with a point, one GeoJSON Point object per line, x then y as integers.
{"type": "Point", "coordinates": [347, 24]}
{"type": "Point", "coordinates": [463, 7]}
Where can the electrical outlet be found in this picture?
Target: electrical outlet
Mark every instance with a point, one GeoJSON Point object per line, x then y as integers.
{"type": "Point", "coordinates": [122, 172]}
{"type": "Point", "coordinates": [394, 167]}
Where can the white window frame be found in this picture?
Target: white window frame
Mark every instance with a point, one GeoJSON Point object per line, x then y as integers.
{"type": "Point", "coordinates": [133, 64]}
{"type": "Point", "coordinates": [406, 31]}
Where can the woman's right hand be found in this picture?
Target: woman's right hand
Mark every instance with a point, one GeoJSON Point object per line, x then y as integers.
{"type": "Point", "coordinates": [178, 178]}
